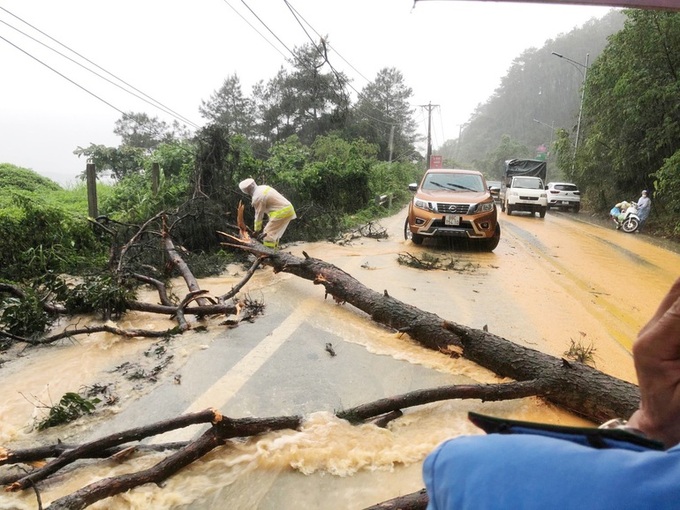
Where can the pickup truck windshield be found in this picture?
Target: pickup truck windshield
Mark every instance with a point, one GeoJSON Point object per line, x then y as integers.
{"type": "Point", "coordinates": [527, 183]}
{"type": "Point", "coordinates": [454, 182]}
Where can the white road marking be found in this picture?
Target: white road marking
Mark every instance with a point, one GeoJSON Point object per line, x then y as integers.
{"type": "Point", "coordinates": [224, 389]}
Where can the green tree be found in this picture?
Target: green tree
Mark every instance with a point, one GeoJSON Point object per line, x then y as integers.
{"type": "Point", "coordinates": [228, 107]}
{"type": "Point", "coordinates": [506, 149]}
{"type": "Point", "coordinates": [632, 108]}
{"type": "Point", "coordinates": [119, 161]}
{"type": "Point", "coordinates": [274, 106]}
{"type": "Point", "coordinates": [384, 116]}
{"type": "Point", "coordinates": [667, 187]}
{"type": "Point", "coordinates": [308, 101]}
{"type": "Point", "coordinates": [319, 104]}
{"type": "Point", "coordinates": [144, 132]}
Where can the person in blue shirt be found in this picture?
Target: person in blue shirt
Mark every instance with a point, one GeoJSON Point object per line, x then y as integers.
{"type": "Point", "coordinates": [530, 468]}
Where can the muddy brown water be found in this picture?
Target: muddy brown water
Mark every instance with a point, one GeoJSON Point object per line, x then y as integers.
{"type": "Point", "coordinates": [550, 281]}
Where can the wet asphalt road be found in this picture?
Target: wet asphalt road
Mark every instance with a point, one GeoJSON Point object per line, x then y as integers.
{"type": "Point", "coordinates": [278, 365]}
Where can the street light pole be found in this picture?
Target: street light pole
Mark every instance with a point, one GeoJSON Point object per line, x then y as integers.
{"type": "Point", "coordinates": [583, 91]}
{"type": "Point", "coordinates": [460, 136]}
{"type": "Point", "coordinates": [552, 131]}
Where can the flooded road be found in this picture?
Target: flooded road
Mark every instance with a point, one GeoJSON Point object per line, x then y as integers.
{"type": "Point", "coordinates": [550, 281]}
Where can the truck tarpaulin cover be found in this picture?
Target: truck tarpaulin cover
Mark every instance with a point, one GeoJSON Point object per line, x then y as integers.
{"type": "Point", "coordinates": [530, 167]}
{"type": "Point", "coordinates": [671, 5]}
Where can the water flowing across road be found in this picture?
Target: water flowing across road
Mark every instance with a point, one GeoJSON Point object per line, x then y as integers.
{"type": "Point", "coordinates": [551, 281]}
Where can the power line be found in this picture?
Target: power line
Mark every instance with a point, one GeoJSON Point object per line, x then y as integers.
{"type": "Point", "coordinates": [342, 81]}
{"type": "Point", "coordinates": [295, 57]}
{"type": "Point", "coordinates": [345, 82]}
{"type": "Point", "coordinates": [270, 30]}
{"type": "Point", "coordinates": [256, 30]}
{"type": "Point", "coordinates": [63, 76]}
{"type": "Point", "coordinates": [161, 107]}
{"type": "Point", "coordinates": [320, 37]}
{"type": "Point", "coordinates": [157, 104]}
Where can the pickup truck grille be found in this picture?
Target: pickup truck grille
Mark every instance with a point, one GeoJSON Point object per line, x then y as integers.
{"type": "Point", "coordinates": [453, 208]}
{"type": "Point", "coordinates": [527, 198]}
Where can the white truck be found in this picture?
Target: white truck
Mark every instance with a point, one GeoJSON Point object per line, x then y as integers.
{"type": "Point", "coordinates": [523, 187]}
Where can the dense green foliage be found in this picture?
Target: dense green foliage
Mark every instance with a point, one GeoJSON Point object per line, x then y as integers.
{"type": "Point", "coordinates": [70, 407]}
{"type": "Point", "coordinates": [15, 178]}
{"type": "Point", "coordinates": [24, 317]}
{"type": "Point", "coordinates": [297, 132]}
{"type": "Point", "coordinates": [40, 231]}
{"type": "Point", "coordinates": [632, 133]}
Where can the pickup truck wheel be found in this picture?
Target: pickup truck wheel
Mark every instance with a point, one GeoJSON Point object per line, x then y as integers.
{"type": "Point", "coordinates": [541, 213]}
{"type": "Point", "coordinates": [491, 243]}
{"type": "Point", "coordinates": [577, 207]}
{"type": "Point", "coordinates": [508, 209]}
{"type": "Point", "coordinates": [408, 235]}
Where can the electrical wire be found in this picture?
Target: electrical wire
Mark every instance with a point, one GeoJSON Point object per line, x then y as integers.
{"type": "Point", "coordinates": [343, 82]}
{"type": "Point", "coordinates": [256, 30]}
{"type": "Point", "coordinates": [271, 31]}
{"type": "Point", "coordinates": [157, 104]}
{"type": "Point", "coordinates": [297, 14]}
{"type": "Point", "coordinates": [63, 76]}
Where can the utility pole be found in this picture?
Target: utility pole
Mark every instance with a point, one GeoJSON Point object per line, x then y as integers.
{"type": "Point", "coordinates": [391, 142]}
{"type": "Point", "coordinates": [429, 107]}
{"type": "Point", "coordinates": [91, 175]}
{"type": "Point", "coordinates": [583, 69]}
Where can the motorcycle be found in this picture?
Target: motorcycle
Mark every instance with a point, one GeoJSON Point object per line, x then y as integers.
{"type": "Point", "coordinates": [628, 220]}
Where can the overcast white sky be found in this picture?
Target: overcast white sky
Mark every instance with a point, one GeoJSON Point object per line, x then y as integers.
{"type": "Point", "coordinates": [452, 54]}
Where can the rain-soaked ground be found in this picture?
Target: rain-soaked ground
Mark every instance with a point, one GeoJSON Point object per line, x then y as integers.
{"type": "Point", "coordinates": [550, 282]}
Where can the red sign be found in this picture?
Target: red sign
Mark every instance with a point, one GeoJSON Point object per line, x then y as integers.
{"type": "Point", "coordinates": [436, 161]}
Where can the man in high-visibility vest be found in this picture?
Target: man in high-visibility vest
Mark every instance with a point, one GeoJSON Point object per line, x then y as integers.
{"type": "Point", "coordinates": [279, 211]}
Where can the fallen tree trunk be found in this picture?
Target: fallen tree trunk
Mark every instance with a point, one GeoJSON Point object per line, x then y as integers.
{"type": "Point", "coordinates": [574, 386]}
{"type": "Point", "coordinates": [414, 501]}
{"type": "Point", "coordinates": [222, 429]}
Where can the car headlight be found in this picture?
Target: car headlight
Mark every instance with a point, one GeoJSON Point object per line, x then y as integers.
{"type": "Point", "coordinates": [423, 204]}
{"type": "Point", "coordinates": [484, 207]}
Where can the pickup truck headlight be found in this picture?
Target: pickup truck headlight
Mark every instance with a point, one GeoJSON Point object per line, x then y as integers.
{"type": "Point", "coordinates": [484, 207]}
{"type": "Point", "coordinates": [423, 204]}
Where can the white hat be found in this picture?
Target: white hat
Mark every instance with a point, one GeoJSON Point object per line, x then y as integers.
{"type": "Point", "coordinates": [244, 185]}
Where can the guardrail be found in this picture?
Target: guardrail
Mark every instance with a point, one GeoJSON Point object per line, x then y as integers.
{"type": "Point", "coordinates": [385, 200]}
